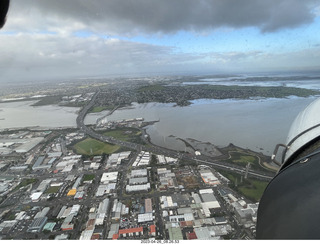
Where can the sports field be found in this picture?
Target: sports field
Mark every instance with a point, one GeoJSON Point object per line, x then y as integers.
{"type": "Point", "coordinates": [91, 147]}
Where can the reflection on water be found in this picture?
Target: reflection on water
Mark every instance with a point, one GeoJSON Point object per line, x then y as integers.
{"type": "Point", "coordinates": [255, 124]}
{"type": "Point", "coordinates": [22, 114]}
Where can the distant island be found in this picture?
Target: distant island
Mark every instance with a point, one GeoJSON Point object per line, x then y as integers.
{"type": "Point", "coordinates": [178, 90]}
{"type": "Point", "coordinates": [182, 95]}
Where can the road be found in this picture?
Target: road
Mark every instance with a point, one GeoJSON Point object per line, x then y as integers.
{"type": "Point", "coordinates": [160, 150]}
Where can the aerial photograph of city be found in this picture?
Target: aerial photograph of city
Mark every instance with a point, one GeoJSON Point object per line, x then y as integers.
{"type": "Point", "coordinates": [157, 121]}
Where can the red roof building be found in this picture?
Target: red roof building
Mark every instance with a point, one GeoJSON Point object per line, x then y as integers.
{"type": "Point", "coordinates": [131, 231]}
{"type": "Point", "coordinates": [191, 236]}
{"type": "Point", "coordinates": [95, 236]}
{"type": "Point", "coordinates": [152, 229]}
{"type": "Point", "coordinates": [186, 223]}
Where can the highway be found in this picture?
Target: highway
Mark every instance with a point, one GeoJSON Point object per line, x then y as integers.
{"type": "Point", "coordinates": [237, 169]}
{"type": "Point", "coordinates": [160, 150]}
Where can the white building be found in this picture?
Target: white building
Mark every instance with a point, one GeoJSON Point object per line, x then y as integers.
{"type": "Point", "coordinates": [109, 177]}
{"type": "Point", "coordinates": [132, 188]}
{"type": "Point", "coordinates": [146, 217]}
{"type": "Point", "coordinates": [139, 173]}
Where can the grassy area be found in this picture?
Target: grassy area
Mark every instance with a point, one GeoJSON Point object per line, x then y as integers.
{"type": "Point", "coordinates": [126, 134]}
{"type": "Point", "coordinates": [242, 158]}
{"type": "Point", "coordinates": [93, 147]}
{"type": "Point", "coordinates": [26, 182]}
{"type": "Point", "coordinates": [9, 216]}
{"type": "Point", "coordinates": [250, 188]}
{"type": "Point", "coordinates": [88, 177]}
{"type": "Point", "coordinates": [48, 100]}
{"type": "Point", "coordinates": [253, 189]}
{"type": "Point", "coordinates": [52, 189]}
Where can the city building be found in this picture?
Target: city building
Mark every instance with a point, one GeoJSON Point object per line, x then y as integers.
{"type": "Point", "coordinates": [134, 188]}
{"type": "Point", "coordinates": [37, 224]}
{"type": "Point", "coordinates": [145, 217]}
{"type": "Point", "coordinates": [208, 177]}
{"type": "Point", "coordinates": [109, 177]}
{"type": "Point", "coordinates": [131, 232]}
{"type": "Point", "coordinates": [148, 205]}
{"type": "Point", "coordinates": [139, 173]}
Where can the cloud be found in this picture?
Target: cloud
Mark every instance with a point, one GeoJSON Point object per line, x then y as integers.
{"type": "Point", "coordinates": [50, 56]}
{"type": "Point", "coordinates": [58, 39]}
{"type": "Point", "coordinates": [30, 57]}
{"type": "Point", "coordinates": [130, 17]}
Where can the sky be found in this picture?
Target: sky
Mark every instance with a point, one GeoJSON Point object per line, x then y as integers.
{"type": "Point", "coordinates": [47, 40]}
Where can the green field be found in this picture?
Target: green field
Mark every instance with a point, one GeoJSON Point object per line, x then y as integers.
{"type": "Point", "coordinates": [26, 182]}
{"type": "Point", "coordinates": [92, 147]}
{"type": "Point", "coordinates": [88, 177]}
{"type": "Point", "coordinates": [126, 134]}
{"type": "Point", "coordinates": [253, 189]}
{"type": "Point", "coordinates": [242, 158]}
{"type": "Point", "coordinates": [250, 188]}
{"type": "Point", "coordinates": [52, 189]}
{"type": "Point", "coordinates": [48, 100]}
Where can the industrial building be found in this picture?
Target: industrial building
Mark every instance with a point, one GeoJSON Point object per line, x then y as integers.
{"type": "Point", "coordinates": [182, 217]}
{"type": "Point", "coordinates": [42, 213]}
{"type": "Point", "coordinates": [116, 158]}
{"type": "Point", "coordinates": [209, 201]}
{"type": "Point", "coordinates": [148, 205]}
{"type": "Point", "coordinates": [67, 223]}
{"type": "Point", "coordinates": [246, 215]}
{"type": "Point", "coordinates": [146, 217]}
{"type": "Point", "coordinates": [7, 225]}
{"type": "Point", "coordinates": [37, 224]}
{"type": "Point", "coordinates": [142, 159]}
{"type": "Point", "coordinates": [208, 177]}
{"type": "Point", "coordinates": [102, 211]}
{"type": "Point", "coordinates": [139, 173]}
{"type": "Point", "coordinates": [167, 179]}
{"type": "Point", "coordinates": [166, 160]}
{"type": "Point", "coordinates": [167, 202]}
{"type": "Point", "coordinates": [175, 233]}
{"type": "Point", "coordinates": [144, 187]}
{"type": "Point", "coordinates": [212, 232]}
{"type": "Point", "coordinates": [137, 181]}
{"type": "Point", "coordinates": [105, 189]}
{"type": "Point", "coordinates": [65, 211]}
{"type": "Point", "coordinates": [27, 144]}
{"type": "Point", "coordinates": [114, 229]}
{"type": "Point", "coordinates": [49, 226]}
{"type": "Point", "coordinates": [116, 210]}
{"type": "Point", "coordinates": [35, 196]}
{"type": "Point", "coordinates": [54, 154]}
{"type": "Point", "coordinates": [109, 177]}
{"type": "Point", "coordinates": [131, 232]}
{"type": "Point", "coordinates": [67, 163]}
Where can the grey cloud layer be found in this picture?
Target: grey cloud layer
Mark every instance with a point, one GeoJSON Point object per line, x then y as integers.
{"type": "Point", "coordinates": [165, 16]}
{"type": "Point", "coordinates": [56, 57]}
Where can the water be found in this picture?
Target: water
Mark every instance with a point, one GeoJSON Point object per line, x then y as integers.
{"type": "Point", "coordinates": [22, 114]}
{"type": "Point", "coordinates": [307, 83]}
{"type": "Point", "coordinates": [255, 124]}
